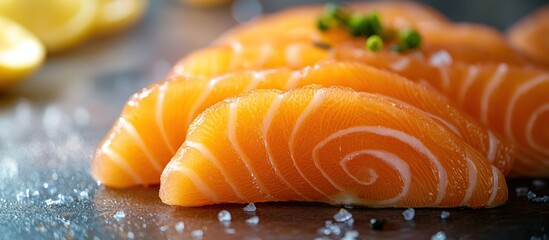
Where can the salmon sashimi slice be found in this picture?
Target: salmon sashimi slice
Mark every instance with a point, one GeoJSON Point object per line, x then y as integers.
{"type": "Point", "coordinates": [331, 145]}
{"type": "Point", "coordinates": [298, 23]}
{"type": "Point", "coordinates": [530, 35]}
{"type": "Point", "coordinates": [154, 122]}
{"type": "Point", "coordinates": [482, 90]}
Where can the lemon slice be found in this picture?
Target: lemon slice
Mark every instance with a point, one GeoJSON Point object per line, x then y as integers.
{"type": "Point", "coordinates": [115, 15]}
{"type": "Point", "coordinates": [59, 24]}
{"type": "Point", "coordinates": [20, 52]}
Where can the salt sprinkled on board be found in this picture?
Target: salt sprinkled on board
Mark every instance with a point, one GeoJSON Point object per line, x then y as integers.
{"type": "Point", "coordinates": [230, 231]}
{"type": "Point", "coordinates": [521, 191]}
{"type": "Point", "coordinates": [250, 208]}
{"type": "Point", "coordinates": [444, 215]}
{"type": "Point", "coordinates": [197, 234]}
{"type": "Point", "coordinates": [253, 220]}
{"type": "Point", "coordinates": [164, 228]}
{"type": "Point", "coordinates": [531, 195]}
{"type": "Point", "coordinates": [131, 235]}
{"type": "Point", "coordinates": [343, 215]}
{"type": "Point", "coordinates": [439, 236]}
{"type": "Point", "coordinates": [350, 235]}
{"type": "Point", "coordinates": [409, 214]}
{"type": "Point", "coordinates": [333, 228]}
{"type": "Point", "coordinates": [180, 227]}
{"type": "Point", "coordinates": [538, 183]}
{"type": "Point", "coordinates": [224, 216]}
{"type": "Point", "coordinates": [119, 215]}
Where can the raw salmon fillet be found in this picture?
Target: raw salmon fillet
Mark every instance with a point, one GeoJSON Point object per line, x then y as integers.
{"type": "Point", "coordinates": [154, 122]}
{"type": "Point", "coordinates": [331, 145]}
{"type": "Point", "coordinates": [483, 75]}
{"type": "Point", "coordinates": [531, 35]}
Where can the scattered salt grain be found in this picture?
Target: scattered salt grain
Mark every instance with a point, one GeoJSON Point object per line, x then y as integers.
{"type": "Point", "coordinates": [444, 215]}
{"type": "Point", "coordinates": [230, 231]}
{"type": "Point", "coordinates": [197, 234]}
{"type": "Point", "coordinates": [343, 215]}
{"type": "Point", "coordinates": [322, 238]}
{"type": "Point", "coordinates": [224, 216]}
{"type": "Point", "coordinates": [521, 191]}
{"type": "Point", "coordinates": [538, 183]}
{"type": "Point", "coordinates": [530, 195]}
{"type": "Point", "coordinates": [45, 185]}
{"type": "Point", "coordinates": [119, 215]}
{"type": "Point", "coordinates": [439, 236]}
{"type": "Point", "coordinates": [409, 214]}
{"type": "Point", "coordinates": [250, 208]}
{"type": "Point", "coordinates": [131, 235]}
{"type": "Point", "coordinates": [324, 231]}
{"type": "Point", "coordinates": [333, 228]}
{"type": "Point", "coordinates": [180, 227]}
{"type": "Point", "coordinates": [544, 199]}
{"type": "Point", "coordinates": [253, 220]}
{"type": "Point", "coordinates": [83, 195]}
{"type": "Point", "coordinates": [164, 228]}
{"type": "Point", "coordinates": [350, 235]}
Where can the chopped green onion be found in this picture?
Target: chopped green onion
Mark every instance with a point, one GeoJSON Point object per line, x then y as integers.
{"type": "Point", "coordinates": [364, 25]}
{"type": "Point", "coordinates": [322, 24]}
{"type": "Point", "coordinates": [410, 38]}
{"type": "Point", "coordinates": [375, 22]}
{"type": "Point", "coordinates": [374, 43]}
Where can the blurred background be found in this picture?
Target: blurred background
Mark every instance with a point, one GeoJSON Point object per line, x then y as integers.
{"type": "Point", "coordinates": [51, 121]}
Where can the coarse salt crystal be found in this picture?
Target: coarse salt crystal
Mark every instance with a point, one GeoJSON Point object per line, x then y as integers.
{"type": "Point", "coordinates": [250, 208]}
{"type": "Point", "coordinates": [444, 215]}
{"type": "Point", "coordinates": [409, 214]}
{"type": "Point", "coordinates": [439, 236]}
{"type": "Point", "coordinates": [197, 233]}
{"type": "Point", "coordinates": [180, 227]}
{"type": "Point", "coordinates": [224, 216]}
{"type": "Point", "coordinates": [119, 215]}
{"type": "Point", "coordinates": [343, 215]}
{"type": "Point", "coordinates": [253, 220]}
{"type": "Point", "coordinates": [230, 231]}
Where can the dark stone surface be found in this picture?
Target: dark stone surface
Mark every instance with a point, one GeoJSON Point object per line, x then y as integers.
{"type": "Point", "coordinates": [50, 125]}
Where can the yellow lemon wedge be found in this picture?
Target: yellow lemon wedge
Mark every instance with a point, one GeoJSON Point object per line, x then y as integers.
{"type": "Point", "coordinates": [116, 15]}
{"type": "Point", "coordinates": [21, 53]}
{"type": "Point", "coordinates": [59, 24]}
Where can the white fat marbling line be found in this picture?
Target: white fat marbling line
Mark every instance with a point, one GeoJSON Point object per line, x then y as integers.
{"type": "Point", "coordinates": [448, 125]}
{"type": "Point", "coordinates": [495, 186]}
{"type": "Point", "coordinates": [523, 89]}
{"type": "Point", "coordinates": [208, 155]}
{"type": "Point", "coordinates": [198, 183]}
{"type": "Point", "coordinates": [120, 162]}
{"type": "Point", "coordinates": [491, 85]}
{"type": "Point", "coordinates": [530, 129]}
{"type": "Point", "coordinates": [128, 126]}
{"type": "Point", "coordinates": [256, 79]}
{"type": "Point", "coordinates": [391, 159]}
{"type": "Point", "coordinates": [443, 71]}
{"type": "Point", "coordinates": [293, 54]}
{"type": "Point", "coordinates": [317, 100]}
{"type": "Point", "coordinates": [231, 134]}
{"type": "Point", "coordinates": [293, 79]}
{"type": "Point", "coordinates": [403, 137]}
{"type": "Point", "coordinates": [473, 175]}
{"type": "Point", "coordinates": [401, 64]}
{"type": "Point", "coordinates": [472, 73]}
{"type": "Point", "coordinates": [159, 116]}
{"type": "Point", "coordinates": [267, 122]}
{"type": "Point", "coordinates": [492, 147]}
{"type": "Point", "coordinates": [200, 99]}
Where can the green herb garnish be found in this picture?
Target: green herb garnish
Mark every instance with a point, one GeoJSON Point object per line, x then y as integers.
{"type": "Point", "coordinates": [410, 38]}
{"type": "Point", "coordinates": [374, 43]}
